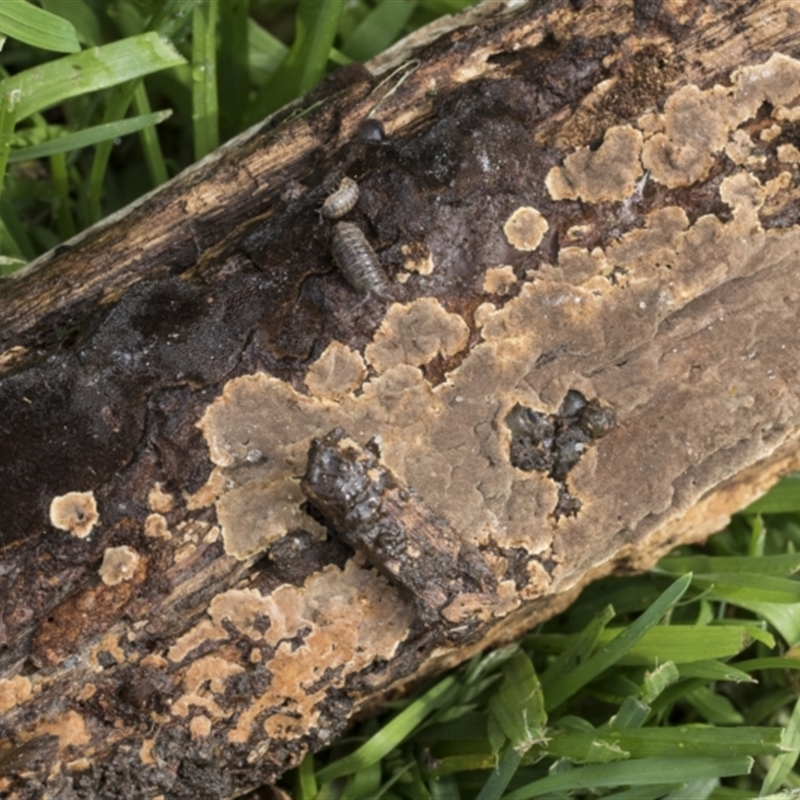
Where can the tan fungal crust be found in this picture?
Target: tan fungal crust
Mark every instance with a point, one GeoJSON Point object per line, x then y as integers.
{"type": "Point", "coordinates": [788, 154]}
{"type": "Point", "coordinates": [252, 517]}
{"type": "Point", "coordinates": [215, 485]}
{"type": "Point", "coordinates": [160, 501]}
{"type": "Point", "coordinates": [438, 438]}
{"type": "Point", "coordinates": [417, 259]}
{"type": "Point", "coordinates": [199, 727]}
{"type": "Point", "coordinates": [69, 728]}
{"type": "Point", "coordinates": [607, 174]}
{"type": "Point", "coordinates": [499, 280]}
{"type": "Point", "coordinates": [739, 147]}
{"type": "Point", "coordinates": [415, 334]}
{"type": "Point", "coordinates": [14, 691]}
{"type": "Point", "coordinates": [696, 124]}
{"type": "Point", "coordinates": [328, 612]}
{"type": "Point", "coordinates": [75, 512]}
{"type": "Point", "coordinates": [525, 228]}
{"type": "Point", "coordinates": [119, 564]}
{"type": "Point", "coordinates": [337, 372]}
{"type": "Point", "coordinates": [155, 526]}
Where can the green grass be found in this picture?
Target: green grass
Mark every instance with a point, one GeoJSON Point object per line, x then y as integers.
{"type": "Point", "coordinates": [680, 683]}
{"type": "Point", "coordinates": [92, 91]}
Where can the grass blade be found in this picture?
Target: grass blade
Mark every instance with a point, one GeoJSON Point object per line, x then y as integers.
{"type": "Point", "coordinates": [569, 684]}
{"type": "Point", "coordinates": [98, 68]}
{"type": "Point", "coordinates": [576, 651]}
{"type": "Point", "coordinates": [205, 110]}
{"type": "Point", "coordinates": [266, 53]}
{"type": "Point", "coordinates": [382, 26]}
{"type": "Point", "coordinates": [501, 776]}
{"type": "Point", "coordinates": [62, 211]}
{"type": "Point", "coordinates": [39, 28]}
{"type": "Point", "coordinates": [80, 16]}
{"type": "Point", "coordinates": [783, 498]}
{"type": "Point", "coordinates": [781, 565]}
{"type": "Point", "coordinates": [172, 18]}
{"type": "Point", "coordinates": [393, 733]}
{"type": "Point", "coordinates": [9, 102]}
{"type": "Point", "coordinates": [88, 137]}
{"type": "Point", "coordinates": [736, 586]}
{"type": "Point", "coordinates": [305, 63]}
{"type": "Point", "coordinates": [638, 743]}
{"type": "Point", "coordinates": [518, 706]}
{"type": "Point", "coordinates": [149, 138]}
{"type": "Point", "coordinates": [678, 643]}
{"type": "Point", "coordinates": [784, 763]}
{"type": "Point", "coordinates": [233, 73]}
{"type": "Point", "coordinates": [636, 772]}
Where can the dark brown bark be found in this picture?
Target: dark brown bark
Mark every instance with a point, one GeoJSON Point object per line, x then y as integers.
{"type": "Point", "coordinates": [587, 352]}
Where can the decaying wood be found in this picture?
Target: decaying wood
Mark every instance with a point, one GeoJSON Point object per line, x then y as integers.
{"type": "Point", "coordinates": [588, 213]}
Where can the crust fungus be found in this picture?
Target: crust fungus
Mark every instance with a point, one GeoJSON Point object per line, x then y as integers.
{"type": "Point", "coordinates": [75, 512]}
{"type": "Point", "coordinates": [13, 691]}
{"type": "Point", "coordinates": [159, 500]}
{"type": "Point", "coordinates": [119, 564]}
{"type": "Point", "coordinates": [696, 124]}
{"type": "Point", "coordinates": [415, 334]}
{"type": "Point", "coordinates": [155, 526]}
{"type": "Point", "coordinates": [788, 154]}
{"type": "Point", "coordinates": [69, 728]}
{"type": "Point", "coordinates": [606, 174]}
{"type": "Point", "coordinates": [325, 613]}
{"type": "Point", "coordinates": [417, 259]}
{"type": "Point", "coordinates": [252, 517]}
{"type": "Point", "coordinates": [525, 228]}
{"type": "Point", "coordinates": [499, 280]}
{"type": "Point", "coordinates": [337, 372]}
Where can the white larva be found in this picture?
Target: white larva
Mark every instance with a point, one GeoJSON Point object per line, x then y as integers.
{"type": "Point", "coordinates": [342, 201]}
{"type": "Point", "coordinates": [357, 260]}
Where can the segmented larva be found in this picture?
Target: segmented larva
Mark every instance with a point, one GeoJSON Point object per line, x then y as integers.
{"type": "Point", "coordinates": [357, 260]}
{"type": "Point", "coordinates": [342, 200]}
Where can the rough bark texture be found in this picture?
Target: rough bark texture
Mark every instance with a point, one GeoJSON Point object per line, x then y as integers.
{"type": "Point", "coordinates": [587, 352]}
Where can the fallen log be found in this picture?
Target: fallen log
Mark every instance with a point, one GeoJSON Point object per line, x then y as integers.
{"type": "Point", "coordinates": [247, 491]}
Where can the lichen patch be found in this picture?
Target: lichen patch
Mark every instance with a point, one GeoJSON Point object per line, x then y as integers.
{"type": "Point", "coordinates": [75, 512]}
{"type": "Point", "coordinates": [607, 174]}
{"type": "Point", "coordinates": [525, 228]}
{"type": "Point", "coordinates": [119, 564]}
